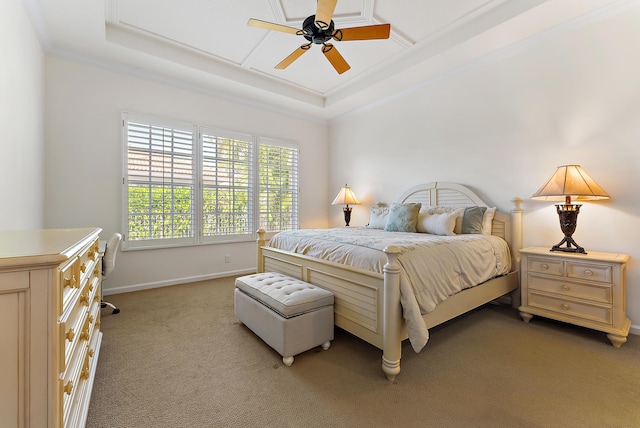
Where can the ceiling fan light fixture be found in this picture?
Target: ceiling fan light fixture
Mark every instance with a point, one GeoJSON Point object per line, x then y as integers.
{"type": "Point", "coordinates": [316, 34]}
{"type": "Point", "coordinates": [316, 30]}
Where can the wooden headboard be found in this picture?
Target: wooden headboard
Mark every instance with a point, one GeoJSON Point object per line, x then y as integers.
{"type": "Point", "coordinates": [508, 227]}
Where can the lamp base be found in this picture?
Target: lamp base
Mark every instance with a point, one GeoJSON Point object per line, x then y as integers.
{"type": "Point", "coordinates": [568, 249]}
{"type": "Point", "coordinates": [347, 215]}
{"type": "Point", "coordinates": [568, 214]}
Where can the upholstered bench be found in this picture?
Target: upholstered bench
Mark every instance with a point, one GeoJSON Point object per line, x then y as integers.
{"type": "Point", "coordinates": [290, 315]}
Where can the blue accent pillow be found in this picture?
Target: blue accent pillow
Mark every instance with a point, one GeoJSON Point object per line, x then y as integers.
{"type": "Point", "coordinates": [472, 219]}
{"type": "Point", "coordinates": [403, 217]}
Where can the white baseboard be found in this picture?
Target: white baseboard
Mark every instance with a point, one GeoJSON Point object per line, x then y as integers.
{"type": "Point", "coordinates": [635, 329]}
{"type": "Point", "coordinates": [175, 281]}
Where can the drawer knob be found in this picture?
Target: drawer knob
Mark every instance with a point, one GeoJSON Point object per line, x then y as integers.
{"type": "Point", "coordinates": [85, 373]}
{"type": "Point", "coordinates": [91, 353]}
{"type": "Point", "coordinates": [565, 287]}
{"type": "Point", "coordinates": [71, 282]}
{"type": "Point", "coordinates": [93, 255]}
{"type": "Point", "coordinates": [70, 335]}
{"type": "Point", "coordinates": [85, 334]}
{"type": "Point", "coordinates": [68, 388]}
{"type": "Point", "coordinates": [84, 299]}
{"type": "Point", "coordinates": [544, 266]}
{"type": "Point", "coordinates": [588, 272]}
{"type": "Point", "coordinates": [565, 307]}
{"type": "Point", "coordinates": [83, 268]}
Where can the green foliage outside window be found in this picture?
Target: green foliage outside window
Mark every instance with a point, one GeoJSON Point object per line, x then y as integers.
{"type": "Point", "coordinates": [158, 212]}
{"type": "Point", "coordinates": [166, 193]}
{"type": "Point", "coordinates": [277, 184]}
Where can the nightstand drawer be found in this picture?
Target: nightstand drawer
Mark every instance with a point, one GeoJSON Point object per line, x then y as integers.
{"type": "Point", "coordinates": [565, 307]}
{"type": "Point", "coordinates": [548, 266]}
{"type": "Point", "coordinates": [589, 271]}
{"type": "Point", "coordinates": [598, 293]}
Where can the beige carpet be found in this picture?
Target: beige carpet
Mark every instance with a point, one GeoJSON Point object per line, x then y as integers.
{"type": "Point", "coordinates": [178, 357]}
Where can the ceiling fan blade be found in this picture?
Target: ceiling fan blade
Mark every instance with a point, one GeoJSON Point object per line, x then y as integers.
{"type": "Point", "coordinates": [368, 32]}
{"type": "Point", "coordinates": [335, 58]}
{"type": "Point", "coordinates": [271, 26]}
{"type": "Point", "coordinates": [293, 56]}
{"type": "Point", "coordinates": [324, 13]}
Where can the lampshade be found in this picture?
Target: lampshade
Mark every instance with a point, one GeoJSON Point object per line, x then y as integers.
{"type": "Point", "coordinates": [346, 197]}
{"type": "Point", "coordinates": [570, 181]}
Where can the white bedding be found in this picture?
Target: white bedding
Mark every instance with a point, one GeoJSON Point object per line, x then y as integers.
{"type": "Point", "coordinates": [433, 267]}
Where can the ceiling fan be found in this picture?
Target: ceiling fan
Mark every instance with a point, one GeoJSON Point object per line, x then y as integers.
{"type": "Point", "coordinates": [319, 29]}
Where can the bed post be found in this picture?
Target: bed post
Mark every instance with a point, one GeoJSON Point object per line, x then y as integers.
{"type": "Point", "coordinates": [392, 315]}
{"type": "Point", "coordinates": [516, 230]}
{"type": "Point", "coordinates": [261, 242]}
{"type": "Point", "coordinates": [516, 245]}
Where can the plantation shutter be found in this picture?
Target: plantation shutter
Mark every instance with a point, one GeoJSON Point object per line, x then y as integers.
{"type": "Point", "coordinates": [186, 184]}
{"type": "Point", "coordinates": [160, 181]}
{"type": "Point", "coordinates": [278, 186]}
{"type": "Point", "coordinates": [227, 185]}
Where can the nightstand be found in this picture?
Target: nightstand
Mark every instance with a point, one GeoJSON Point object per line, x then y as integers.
{"type": "Point", "coordinates": [583, 289]}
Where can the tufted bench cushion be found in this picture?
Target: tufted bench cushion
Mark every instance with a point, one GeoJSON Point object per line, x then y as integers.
{"type": "Point", "coordinates": [287, 296]}
{"type": "Point", "coordinates": [290, 315]}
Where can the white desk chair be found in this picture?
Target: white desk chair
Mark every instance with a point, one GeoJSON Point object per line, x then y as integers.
{"type": "Point", "coordinates": [109, 263]}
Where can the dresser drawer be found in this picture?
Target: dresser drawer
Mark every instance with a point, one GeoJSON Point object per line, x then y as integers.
{"type": "Point", "coordinates": [89, 260]}
{"type": "Point", "coordinates": [70, 282]}
{"type": "Point", "coordinates": [571, 308]}
{"type": "Point", "coordinates": [590, 271]}
{"type": "Point", "coordinates": [71, 384]}
{"type": "Point", "coordinates": [93, 319]}
{"type": "Point", "coordinates": [595, 292]}
{"type": "Point", "coordinates": [74, 325]}
{"type": "Point", "coordinates": [71, 332]}
{"type": "Point", "coordinates": [547, 266]}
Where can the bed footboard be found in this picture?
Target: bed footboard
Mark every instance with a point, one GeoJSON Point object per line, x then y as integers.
{"type": "Point", "coordinates": [367, 304]}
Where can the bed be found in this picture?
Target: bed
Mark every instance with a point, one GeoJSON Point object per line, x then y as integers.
{"type": "Point", "coordinates": [368, 300]}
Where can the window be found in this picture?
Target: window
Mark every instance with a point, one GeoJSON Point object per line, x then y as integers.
{"type": "Point", "coordinates": [278, 187]}
{"type": "Point", "coordinates": [187, 184]}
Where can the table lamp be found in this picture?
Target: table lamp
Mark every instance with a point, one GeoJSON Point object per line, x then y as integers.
{"type": "Point", "coordinates": [346, 197]}
{"type": "Point", "coordinates": [569, 181]}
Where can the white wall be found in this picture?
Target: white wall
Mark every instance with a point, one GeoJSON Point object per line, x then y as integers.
{"type": "Point", "coordinates": [21, 121]}
{"type": "Point", "coordinates": [84, 164]}
{"type": "Point", "coordinates": [502, 126]}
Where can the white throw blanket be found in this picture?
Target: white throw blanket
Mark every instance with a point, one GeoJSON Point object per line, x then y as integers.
{"type": "Point", "coordinates": [433, 267]}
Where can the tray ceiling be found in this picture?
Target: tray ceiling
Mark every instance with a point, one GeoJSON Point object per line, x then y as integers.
{"type": "Point", "coordinates": [206, 44]}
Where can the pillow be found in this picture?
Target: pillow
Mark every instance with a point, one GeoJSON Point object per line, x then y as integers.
{"type": "Point", "coordinates": [487, 221]}
{"type": "Point", "coordinates": [403, 217]}
{"type": "Point", "coordinates": [378, 217]}
{"type": "Point", "coordinates": [472, 219]}
{"type": "Point", "coordinates": [437, 224]}
{"type": "Point", "coordinates": [439, 209]}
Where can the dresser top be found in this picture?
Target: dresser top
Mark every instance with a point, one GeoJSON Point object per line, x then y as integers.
{"type": "Point", "coordinates": [43, 246]}
{"type": "Point", "coordinates": [590, 256]}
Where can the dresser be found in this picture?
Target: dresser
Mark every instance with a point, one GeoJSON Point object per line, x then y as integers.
{"type": "Point", "coordinates": [583, 289]}
{"type": "Point", "coordinates": [50, 335]}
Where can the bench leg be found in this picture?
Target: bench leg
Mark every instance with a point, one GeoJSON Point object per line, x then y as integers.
{"type": "Point", "coordinates": [287, 361]}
